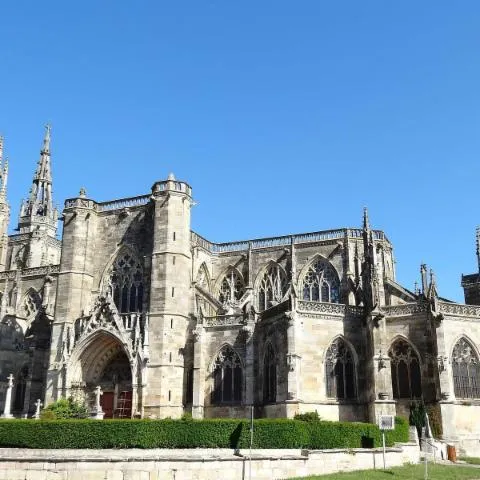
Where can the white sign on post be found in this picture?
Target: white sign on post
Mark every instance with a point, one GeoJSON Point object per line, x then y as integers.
{"type": "Point", "coordinates": [385, 422]}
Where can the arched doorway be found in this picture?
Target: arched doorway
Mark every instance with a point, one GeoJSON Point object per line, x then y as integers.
{"type": "Point", "coordinates": [116, 384]}
{"type": "Point", "coordinates": [101, 360]}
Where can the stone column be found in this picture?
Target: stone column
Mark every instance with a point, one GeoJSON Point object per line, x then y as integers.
{"type": "Point", "coordinates": [249, 364]}
{"type": "Point", "coordinates": [135, 408]}
{"type": "Point", "coordinates": [8, 399]}
{"type": "Point", "coordinates": [198, 373]}
{"type": "Point", "coordinates": [26, 400]}
{"type": "Point", "coordinates": [445, 382]}
{"type": "Point", "coordinates": [381, 393]}
{"type": "Point", "coordinates": [294, 366]}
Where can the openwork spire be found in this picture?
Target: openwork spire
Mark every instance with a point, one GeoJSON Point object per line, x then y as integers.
{"type": "Point", "coordinates": [3, 172]}
{"type": "Point", "coordinates": [477, 241]}
{"type": "Point", "coordinates": [38, 208]}
{"type": "Point", "coordinates": [366, 222]}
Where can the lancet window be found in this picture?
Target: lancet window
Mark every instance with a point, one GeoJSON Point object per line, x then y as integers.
{"type": "Point", "coordinates": [272, 287]}
{"type": "Point", "coordinates": [227, 377]}
{"type": "Point", "coordinates": [466, 370]}
{"type": "Point", "coordinates": [31, 303]}
{"type": "Point", "coordinates": [269, 375]}
{"type": "Point", "coordinates": [340, 371]}
{"type": "Point", "coordinates": [405, 365]}
{"type": "Point", "coordinates": [321, 283]}
{"type": "Point", "coordinates": [232, 287]}
{"type": "Point", "coordinates": [126, 284]}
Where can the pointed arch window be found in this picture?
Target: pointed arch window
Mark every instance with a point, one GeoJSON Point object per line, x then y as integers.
{"type": "Point", "coordinates": [466, 370]}
{"type": "Point", "coordinates": [227, 377]}
{"type": "Point", "coordinates": [232, 288]}
{"type": "Point", "coordinates": [126, 284]}
{"type": "Point", "coordinates": [405, 365]}
{"type": "Point", "coordinates": [31, 303]}
{"type": "Point", "coordinates": [272, 287]}
{"type": "Point", "coordinates": [269, 375]}
{"type": "Point", "coordinates": [321, 283]}
{"type": "Point", "coordinates": [340, 371]}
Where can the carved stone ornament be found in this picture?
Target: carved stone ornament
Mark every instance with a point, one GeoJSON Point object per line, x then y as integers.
{"type": "Point", "coordinates": [442, 364]}
{"type": "Point", "coordinates": [197, 334]}
{"type": "Point", "coordinates": [247, 330]}
{"type": "Point", "coordinates": [290, 317]}
{"type": "Point", "coordinates": [292, 359]}
{"type": "Point", "coordinates": [382, 361]}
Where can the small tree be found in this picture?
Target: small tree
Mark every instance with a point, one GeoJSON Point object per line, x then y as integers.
{"type": "Point", "coordinates": [64, 408]}
{"type": "Point", "coordinates": [417, 417]}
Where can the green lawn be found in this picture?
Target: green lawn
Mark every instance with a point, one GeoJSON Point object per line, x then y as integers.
{"type": "Point", "coordinates": [472, 460]}
{"type": "Point", "coordinates": [409, 472]}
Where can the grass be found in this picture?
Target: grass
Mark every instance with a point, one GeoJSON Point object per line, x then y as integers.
{"type": "Point", "coordinates": [408, 472]}
{"type": "Point", "coordinates": [471, 460]}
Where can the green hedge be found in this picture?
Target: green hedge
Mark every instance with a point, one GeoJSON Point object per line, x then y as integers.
{"type": "Point", "coordinates": [215, 433]}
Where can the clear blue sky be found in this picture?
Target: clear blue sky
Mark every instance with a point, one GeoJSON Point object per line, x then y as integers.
{"type": "Point", "coordinates": [283, 116]}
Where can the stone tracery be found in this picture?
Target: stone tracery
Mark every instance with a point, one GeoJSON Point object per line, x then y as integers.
{"type": "Point", "coordinates": [231, 288]}
{"type": "Point", "coordinates": [466, 370]}
{"type": "Point", "coordinates": [321, 283]}
{"type": "Point", "coordinates": [405, 366]}
{"type": "Point", "coordinates": [126, 284]}
{"type": "Point", "coordinates": [340, 371]}
{"type": "Point", "coordinates": [272, 287]}
{"type": "Point", "coordinates": [227, 377]}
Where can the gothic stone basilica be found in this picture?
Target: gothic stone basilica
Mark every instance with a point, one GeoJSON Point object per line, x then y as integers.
{"type": "Point", "coordinates": [167, 322]}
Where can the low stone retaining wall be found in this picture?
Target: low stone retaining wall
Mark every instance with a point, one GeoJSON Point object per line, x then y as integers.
{"type": "Point", "coordinates": [195, 464]}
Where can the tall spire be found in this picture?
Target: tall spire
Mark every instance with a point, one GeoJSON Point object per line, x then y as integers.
{"type": "Point", "coordinates": [477, 235]}
{"type": "Point", "coordinates": [366, 223]}
{"type": "Point", "coordinates": [38, 208]}
{"type": "Point", "coordinates": [3, 172]}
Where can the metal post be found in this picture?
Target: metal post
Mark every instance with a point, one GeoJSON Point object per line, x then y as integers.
{"type": "Point", "coordinates": [251, 443]}
{"type": "Point", "coordinates": [425, 455]}
{"type": "Point", "coordinates": [383, 440]}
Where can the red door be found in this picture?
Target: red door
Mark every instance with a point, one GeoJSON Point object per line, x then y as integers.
{"type": "Point", "coordinates": [106, 401]}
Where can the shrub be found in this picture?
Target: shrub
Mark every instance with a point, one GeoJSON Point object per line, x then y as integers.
{"type": "Point", "coordinates": [307, 417]}
{"type": "Point", "coordinates": [435, 417]}
{"type": "Point", "coordinates": [211, 433]}
{"type": "Point", "coordinates": [64, 409]}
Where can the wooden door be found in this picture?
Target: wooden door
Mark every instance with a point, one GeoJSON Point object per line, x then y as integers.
{"type": "Point", "coordinates": [106, 401]}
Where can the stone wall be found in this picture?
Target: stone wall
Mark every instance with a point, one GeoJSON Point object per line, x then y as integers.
{"type": "Point", "coordinates": [197, 464]}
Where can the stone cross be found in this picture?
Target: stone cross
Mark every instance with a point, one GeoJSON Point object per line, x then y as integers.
{"type": "Point", "coordinates": [38, 406]}
{"type": "Point", "coordinates": [98, 394]}
{"type": "Point", "coordinates": [8, 398]}
{"type": "Point", "coordinates": [97, 411]}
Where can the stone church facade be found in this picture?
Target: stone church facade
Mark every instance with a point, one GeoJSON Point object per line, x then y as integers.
{"type": "Point", "coordinates": [167, 322]}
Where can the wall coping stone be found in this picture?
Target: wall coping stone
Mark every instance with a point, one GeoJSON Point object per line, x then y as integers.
{"type": "Point", "coordinates": [173, 455]}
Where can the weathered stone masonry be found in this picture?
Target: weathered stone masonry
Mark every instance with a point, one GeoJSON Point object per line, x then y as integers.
{"type": "Point", "coordinates": [167, 322]}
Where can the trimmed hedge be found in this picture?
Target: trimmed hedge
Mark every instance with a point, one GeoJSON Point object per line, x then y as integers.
{"type": "Point", "coordinates": [214, 433]}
